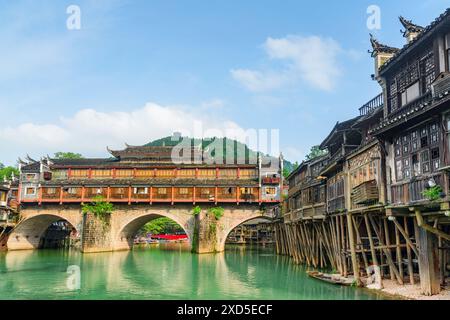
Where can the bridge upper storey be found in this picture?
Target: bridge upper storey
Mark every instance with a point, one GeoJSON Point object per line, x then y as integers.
{"type": "Point", "coordinates": [151, 174]}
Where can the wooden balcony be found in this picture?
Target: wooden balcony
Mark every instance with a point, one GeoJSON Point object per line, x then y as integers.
{"type": "Point", "coordinates": [365, 194]}
{"type": "Point", "coordinates": [373, 104]}
{"type": "Point", "coordinates": [336, 205]}
{"type": "Point", "coordinates": [411, 192]}
{"type": "Point", "coordinates": [271, 180]}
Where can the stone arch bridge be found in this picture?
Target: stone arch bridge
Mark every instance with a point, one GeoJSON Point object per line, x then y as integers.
{"type": "Point", "coordinates": [125, 222]}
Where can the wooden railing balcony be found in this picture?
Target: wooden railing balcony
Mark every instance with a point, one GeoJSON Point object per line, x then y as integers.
{"type": "Point", "coordinates": [150, 194]}
{"type": "Point", "coordinates": [294, 190]}
{"type": "Point", "coordinates": [336, 205]}
{"type": "Point", "coordinates": [51, 193]}
{"type": "Point", "coordinates": [72, 193]}
{"type": "Point", "coordinates": [376, 102]}
{"type": "Point", "coordinates": [365, 194]}
{"type": "Point", "coordinates": [412, 192]}
{"type": "Point", "coordinates": [271, 180]}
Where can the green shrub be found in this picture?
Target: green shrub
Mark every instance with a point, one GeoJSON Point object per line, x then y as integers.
{"type": "Point", "coordinates": [196, 211]}
{"type": "Point", "coordinates": [433, 193]}
{"type": "Point", "coordinates": [99, 207]}
{"type": "Point", "coordinates": [217, 212]}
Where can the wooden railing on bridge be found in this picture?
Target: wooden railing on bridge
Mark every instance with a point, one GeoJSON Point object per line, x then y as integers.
{"type": "Point", "coordinates": [150, 194]}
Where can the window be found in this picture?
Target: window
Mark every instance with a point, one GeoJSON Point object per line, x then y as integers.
{"type": "Point", "coordinates": [30, 176]}
{"type": "Point", "coordinates": [424, 142]}
{"type": "Point", "coordinates": [448, 132]}
{"type": "Point", "coordinates": [30, 191]}
{"type": "Point", "coordinates": [51, 190]}
{"type": "Point", "coordinates": [140, 190]}
{"type": "Point", "coordinates": [71, 190]}
{"type": "Point", "coordinates": [415, 164]}
{"type": "Point", "coordinates": [411, 93]}
{"type": "Point", "coordinates": [183, 191]}
{"type": "Point", "coordinates": [271, 191]}
{"type": "Point", "coordinates": [398, 166]}
{"type": "Point", "coordinates": [447, 49]}
{"type": "Point", "coordinates": [162, 191]}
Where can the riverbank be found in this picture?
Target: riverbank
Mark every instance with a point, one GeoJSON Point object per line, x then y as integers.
{"type": "Point", "coordinates": [410, 291]}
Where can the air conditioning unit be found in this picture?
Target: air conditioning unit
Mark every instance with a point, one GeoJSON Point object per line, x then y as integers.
{"type": "Point", "coordinates": [441, 86]}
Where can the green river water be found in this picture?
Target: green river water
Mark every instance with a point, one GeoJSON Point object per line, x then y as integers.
{"type": "Point", "coordinates": [239, 273]}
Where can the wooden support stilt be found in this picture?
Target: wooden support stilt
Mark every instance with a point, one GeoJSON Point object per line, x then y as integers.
{"type": "Point", "coordinates": [428, 262]}
{"type": "Point", "coordinates": [386, 252]}
{"type": "Point", "coordinates": [369, 234]}
{"type": "Point", "coordinates": [351, 238]}
{"type": "Point", "coordinates": [408, 251]}
{"type": "Point", "coordinates": [388, 243]}
{"type": "Point", "coordinates": [398, 252]}
{"type": "Point", "coordinates": [359, 243]}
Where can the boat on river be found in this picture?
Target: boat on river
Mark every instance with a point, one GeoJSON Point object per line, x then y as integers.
{"type": "Point", "coordinates": [330, 278]}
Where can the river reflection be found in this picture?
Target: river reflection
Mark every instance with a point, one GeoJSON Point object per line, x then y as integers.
{"type": "Point", "coordinates": [240, 273]}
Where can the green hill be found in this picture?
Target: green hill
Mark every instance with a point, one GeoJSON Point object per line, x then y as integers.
{"type": "Point", "coordinates": [237, 147]}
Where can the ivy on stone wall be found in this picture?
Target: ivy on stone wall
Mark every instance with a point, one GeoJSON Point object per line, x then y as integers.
{"type": "Point", "coordinates": [100, 208]}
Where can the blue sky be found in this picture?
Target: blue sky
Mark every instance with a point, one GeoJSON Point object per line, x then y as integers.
{"type": "Point", "coordinates": [139, 70]}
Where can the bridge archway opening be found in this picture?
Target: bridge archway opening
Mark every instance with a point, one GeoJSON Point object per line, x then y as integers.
{"type": "Point", "coordinates": [155, 229]}
{"type": "Point", "coordinates": [253, 231]}
{"type": "Point", "coordinates": [43, 231]}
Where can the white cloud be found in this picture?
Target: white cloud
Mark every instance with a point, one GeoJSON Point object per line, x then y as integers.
{"type": "Point", "coordinates": [90, 131]}
{"type": "Point", "coordinates": [312, 59]}
{"type": "Point", "coordinates": [257, 81]}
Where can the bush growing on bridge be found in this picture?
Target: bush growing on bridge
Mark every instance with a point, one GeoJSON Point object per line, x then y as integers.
{"type": "Point", "coordinates": [217, 212]}
{"type": "Point", "coordinates": [99, 207]}
{"type": "Point", "coordinates": [196, 211]}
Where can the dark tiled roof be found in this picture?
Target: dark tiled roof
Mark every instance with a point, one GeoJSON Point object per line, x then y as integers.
{"type": "Point", "coordinates": [338, 128]}
{"type": "Point", "coordinates": [378, 47]}
{"type": "Point", "coordinates": [31, 167]}
{"type": "Point", "coordinates": [425, 34]}
{"type": "Point", "coordinates": [409, 26]}
{"type": "Point", "coordinates": [377, 112]}
{"type": "Point", "coordinates": [84, 162]}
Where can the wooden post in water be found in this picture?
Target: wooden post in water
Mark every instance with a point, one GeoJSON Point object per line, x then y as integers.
{"type": "Point", "coordinates": [428, 262]}
{"type": "Point", "coordinates": [351, 237]}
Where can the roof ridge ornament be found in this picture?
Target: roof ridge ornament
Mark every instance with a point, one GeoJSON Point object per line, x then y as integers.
{"type": "Point", "coordinates": [378, 47]}
{"type": "Point", "coordinates": [409, 26]}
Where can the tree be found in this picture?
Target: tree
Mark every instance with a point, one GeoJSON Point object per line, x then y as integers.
{"type": "Point", "coordinates": [68, 155]}
{"type": "Point", "coordinates": [287, 170]}
{"type": "Point", "coordinates": [8, 172]}
{"type": "Point", "coordinates": [161, 225]}
{"type": "Point", "coordinates": [316, 152]}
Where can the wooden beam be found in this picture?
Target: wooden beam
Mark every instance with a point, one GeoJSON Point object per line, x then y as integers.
{"type": "Point", "coordinates": [351, 238]}
{"type": "Point", "coordinates": [421, 223]}
{"type": "Point", "coordinates": [428, 263]}
{"type": "Point", "coordinates": [386, 252]}
{"type": "Point", "coordinates": [405, 235]}
{"type": "Point", "coordinates": [408, 252]}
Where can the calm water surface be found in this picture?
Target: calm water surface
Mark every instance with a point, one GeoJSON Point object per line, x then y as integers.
{"type": "Point", "coordinates": [239, 273]}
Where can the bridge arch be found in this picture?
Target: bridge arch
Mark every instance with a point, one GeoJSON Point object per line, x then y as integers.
{"type": "Point", "coordinates": [235, 223]}
{"type": "Point", "coordinates": [127, 228]}
{"type": "Point", "coordinates": [30, 230]}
